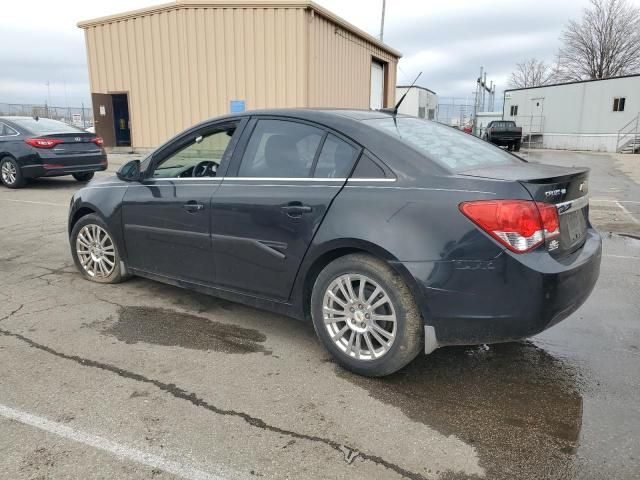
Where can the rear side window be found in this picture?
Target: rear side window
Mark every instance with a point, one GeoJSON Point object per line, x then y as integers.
{"type": "Point", "coordinates": [280, 148]}
{"type": "Point", "coordinates": [368, 168]}
{"type": "Point", "coordinates": [446, 146]}
{"type": "Point", "coordinates": [336, 159]}
{"type": "Point", "coordinates": [45, 126]}
{"type": "Point", "coordinates": [6, 130]}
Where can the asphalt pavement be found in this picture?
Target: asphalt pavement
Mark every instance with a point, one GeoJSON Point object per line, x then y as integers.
{"type": "Point", "coordinates": [144, 380]}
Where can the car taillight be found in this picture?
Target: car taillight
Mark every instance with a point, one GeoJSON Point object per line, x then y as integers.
{"type": "Point", "coordinates": [43, 142]}
{"type": "Point", "coordinates": [98, 141]}
{"type": "Point", "coordinates": [519, 225]}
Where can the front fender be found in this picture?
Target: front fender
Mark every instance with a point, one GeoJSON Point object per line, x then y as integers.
{"type": "Point", "coordinates": [105, 200]}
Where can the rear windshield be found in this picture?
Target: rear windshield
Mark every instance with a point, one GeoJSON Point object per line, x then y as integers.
{"type": "Point", "coordinates": [503, 124]}
{"type": "Point", "coordinates": [447, 146]}
{"type": "Point", "coordinates": [44, 126]}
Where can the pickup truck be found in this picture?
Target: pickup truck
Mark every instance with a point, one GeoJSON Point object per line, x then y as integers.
{"type": "Point", "coordinates": [504, 133]}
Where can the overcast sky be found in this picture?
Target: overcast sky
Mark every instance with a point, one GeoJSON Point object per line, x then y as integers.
{"type": "Point", "coordinates": [447, 40]}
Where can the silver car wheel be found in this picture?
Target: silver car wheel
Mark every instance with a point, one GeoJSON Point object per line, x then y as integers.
{"type": "Point", "coordinates": [96, 251]}
{"type": "Point", "coordinates": [9, 173]}
{"type": "Point", "coordinates": [359, 317]}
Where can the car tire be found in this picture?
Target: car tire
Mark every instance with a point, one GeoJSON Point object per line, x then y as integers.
{"type": "Point", "coordinates": [94, 251]}
{"type": "Point", "coordinates": [10, 173]}
{"type": "Point", "coordinates": [379, 353]}
{"type": "Point", "coordinates": [83, 176]}
{"type": "Point", "coordinates": [516, 147]}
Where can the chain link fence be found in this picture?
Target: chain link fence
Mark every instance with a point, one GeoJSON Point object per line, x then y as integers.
{"type": "Point", "coordinates": [458, 111]}
{"type": "Point", "coordinates": [77, 116]}
{"type": "Point", "coordinates": [455, 111]}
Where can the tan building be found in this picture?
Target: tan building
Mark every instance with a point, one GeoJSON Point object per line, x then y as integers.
{"type": "Point", "coordinates": [155, 71]}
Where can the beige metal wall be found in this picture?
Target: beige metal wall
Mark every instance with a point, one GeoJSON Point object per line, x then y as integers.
{"type": "Point", "coordinates": [340, 66]}
{"type": "Point", "coordinates": [181, 64]}
{"type": "Point", "coordinates": [184, 65]}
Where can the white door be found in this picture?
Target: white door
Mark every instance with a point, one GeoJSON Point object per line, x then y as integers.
{"type": "Point", "coordinates": [537, 115]}
{"type": "Point", "coordinates": [377, 86]}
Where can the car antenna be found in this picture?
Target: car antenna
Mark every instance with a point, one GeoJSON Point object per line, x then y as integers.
{"type": "Point", "coordinates": [394, 112]}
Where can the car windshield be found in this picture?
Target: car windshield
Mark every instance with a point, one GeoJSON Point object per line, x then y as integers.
{"type": "Point", "coordinates": [45, 126]}
{"type": "Point", "coordinates": [444, 145]}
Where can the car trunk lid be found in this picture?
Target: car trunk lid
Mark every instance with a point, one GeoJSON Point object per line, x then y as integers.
{"type": "Point", "coordinates": [74, 143]}
{"type": "Point", "coordinates": [566, 188]}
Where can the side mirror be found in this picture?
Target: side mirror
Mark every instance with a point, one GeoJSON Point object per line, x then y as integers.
{"type": "Point", "coordinates": [130, 171]}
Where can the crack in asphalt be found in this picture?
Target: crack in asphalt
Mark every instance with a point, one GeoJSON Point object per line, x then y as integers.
{"type": "Point", "coordinates": [11, 314]}
{"type": "Point", "coordinates": [182, 394]}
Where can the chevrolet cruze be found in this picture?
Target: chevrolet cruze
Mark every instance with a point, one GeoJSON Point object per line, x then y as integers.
{"type": "Point", "coordinates": [393, 235]}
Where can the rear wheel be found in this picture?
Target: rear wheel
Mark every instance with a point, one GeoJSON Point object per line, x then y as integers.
{"type": "Point", "coordinates": [10, 173]}
{"type": "Point", "coordinates": [94, 251]}
{"type": "Point", "coordinates": [365, 315]}
{"type": "Point", "coordinates": [83, 176]}
{"type": "Point", "coordinates": [516, 147]}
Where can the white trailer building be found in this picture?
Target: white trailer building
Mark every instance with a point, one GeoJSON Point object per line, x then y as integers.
{"type": "Point", "coordinates": [420, 102]}
{"type": "Point", "coordinates": [597, 115]}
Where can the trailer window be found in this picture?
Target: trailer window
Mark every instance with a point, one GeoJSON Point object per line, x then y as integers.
{"type": "Point", "coordinates": [618, 104]}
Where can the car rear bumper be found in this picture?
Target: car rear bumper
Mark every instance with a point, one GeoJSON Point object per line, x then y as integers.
{"type": "Point", "coordinates": [505, 139]}
{"type": "Point", "coordinates": [65, 167]}
{"type": "Point", "coordinates": [508, 298]}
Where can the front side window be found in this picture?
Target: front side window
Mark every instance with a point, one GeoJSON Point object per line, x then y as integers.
{"type": "Point", "coordinates": [282, 149]}
{"type": "Point", "coordinates": [618, 104]}
{"type": "Point", "coordinates": [200, 158]}
{"type": "Point", "coordinates": [442, 144]}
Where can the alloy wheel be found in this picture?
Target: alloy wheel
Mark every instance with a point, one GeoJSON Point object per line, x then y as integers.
{"type": "Point", "coordinates": [359, 317]}
{"type": "Point", "coordinates": [96, 251]}
{"type": "Point", "coordinates": [9, 173]}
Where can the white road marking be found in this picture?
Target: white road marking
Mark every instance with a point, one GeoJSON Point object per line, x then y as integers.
{"type": "Point", "coordinates": [34, 202]}
{"type": "Point", "coordinates": [604, 200]}
{"type": "Point", "coordinates": [622, 256]}
{"type": "Point", "coordinates": [101, 443]}
{"type": "Point", "coordinates": [627, 212]}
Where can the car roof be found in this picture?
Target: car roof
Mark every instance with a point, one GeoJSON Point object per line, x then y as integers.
{"type": "Point", "coordinates": [9, 118]}
{"type": "Point", "coordinates": [310, 113]}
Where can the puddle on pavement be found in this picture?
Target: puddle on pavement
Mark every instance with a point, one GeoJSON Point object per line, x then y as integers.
{"type": "Point", "coordinates": [166, 327]}
{"type": "Point", "coordinates": [518, 405]}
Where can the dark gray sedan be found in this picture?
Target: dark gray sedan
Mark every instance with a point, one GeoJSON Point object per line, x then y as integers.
{"type": "Point", "coordinates": [32, 147]}
{"type": "Point", "coordinates": [392, 234]}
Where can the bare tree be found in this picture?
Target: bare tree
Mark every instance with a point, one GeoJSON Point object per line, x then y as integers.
{"type": "Point", "coordinates": [530, 73]}
{"type": "Point", "coordinates": [605, 43]}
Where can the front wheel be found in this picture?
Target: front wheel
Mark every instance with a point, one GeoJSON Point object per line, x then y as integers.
{"type": "Point", "coordinates": [365, 315]}
{"type": "Point", "coordinates": [10, 173]}
{"type": "Point", "coordinates": [83, 176]}
{"type": "Point", "coordinates": [94, 250]}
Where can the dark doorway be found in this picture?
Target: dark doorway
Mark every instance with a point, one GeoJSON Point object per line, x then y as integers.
{"type": "Point", "coordinates": [121, 120]}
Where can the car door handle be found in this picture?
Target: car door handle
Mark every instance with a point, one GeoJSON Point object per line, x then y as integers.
{"type": "Point", "coordinates": [296, 209]}
{"type": "Point", "coordinates": [192, 206]}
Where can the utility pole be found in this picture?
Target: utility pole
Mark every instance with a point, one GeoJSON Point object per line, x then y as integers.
{"type": "Point", "coordinates": [384, 4]}
{"type": "Point", "coordinates": [48, 102]}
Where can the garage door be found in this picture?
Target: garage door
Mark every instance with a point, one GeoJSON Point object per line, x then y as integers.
{"type": "Point", "coordinates": [377, 85]}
